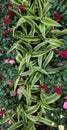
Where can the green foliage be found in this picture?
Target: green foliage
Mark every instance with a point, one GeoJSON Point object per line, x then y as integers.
{"type": "Point", "coordinates": [36, 36]}
{"type": "Point", "coordinates": [7, 70]}
{"type": "Point", "coordinates": [60, 7]}
{"type": "Point", "coordinates": [34, 48]}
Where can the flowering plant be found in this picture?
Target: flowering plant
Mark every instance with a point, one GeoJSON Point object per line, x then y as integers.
{"type": "Point", "coordinates": [34, 52]}
{"type": "Point", "coordinates": [37, 40]}
{"type": "Point", "coordinates": [8, 65]}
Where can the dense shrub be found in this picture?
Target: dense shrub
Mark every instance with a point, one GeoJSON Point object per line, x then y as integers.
{"type": "Point", "coordinates": [34, 83]}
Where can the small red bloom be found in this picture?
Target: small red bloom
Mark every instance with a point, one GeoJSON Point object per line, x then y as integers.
{"type": "Point", "coordinates": [6, 21]}
{"type": "Point", "coordinates": [54, 50]}
{"type": "Point", "coordinates": [6, 32]}
{"type": "Point", "coordinates": [10, 13]}
{"type": "Point", "coordinates": [58, 89]}
{"type": "Point", "coordinates": [57, 16]}
{"type": "Point", "coordinates": [10, 4]}
{"type": "Point", "coordinates": [0, 8]}
{"type": "Point", "coordinates": [1, 76]}
{"type": "Point", "coordinates": [45, 87]}
{"type": "Point", "coordinates": [63, 54]}
{"type": "Point", "coordinates": [2, 112]}
{"type": "Point", "coordinates": [21, 8]}
{"type": "Point", "coordinates": [1, 51]}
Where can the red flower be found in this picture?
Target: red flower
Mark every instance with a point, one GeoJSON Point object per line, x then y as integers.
{"type": "Point", "coordinates": [1, 51]}
{"type": "Point", "coordinates": [2, 112]}
{"type": "Point", "coordinates": [6, 32]}
{"type": "Point", "coordinates": [21, 8]}
{"type": "Point", "coordinates": [10, 4]}
{"type": "Point", "coordinates": [58, 89]}
{"type": "Point", "coordinates": [0, 8]}
{"type": "Point", "coordinates": [54, 50]}
{"type": "Point", "coordinates": [10, 13]}
{"type": "Point", "coordinates": [57, 17]}
{"type": "Point", "coordinates": [1, 76]}
{"type": "Point", "coordinates": [45, 87]}
{"type": "Point", "coordinates": [63, 54]}
{"type": "Point", "coordinates": [6, 21]}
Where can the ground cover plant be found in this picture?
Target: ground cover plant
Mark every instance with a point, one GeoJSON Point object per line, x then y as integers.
{"type": "Point", "coordinates": [59, 12]}
{"type": "Point", "coordinates": [8, 66]}
{"type": "Point", "coordinates": [36, 39]}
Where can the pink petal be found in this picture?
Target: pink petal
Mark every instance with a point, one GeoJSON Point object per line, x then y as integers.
{"type": "Point", "coordinates": [19, 91]}
{"type": "Point", "coordinates": [12, 62]}
{"type": "Point", "coordinates": [6, 61]}
{"type": "Point", "coordinates": [9, 83]}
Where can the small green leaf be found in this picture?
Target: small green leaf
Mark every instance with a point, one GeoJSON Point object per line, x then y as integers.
{"type": "Point", "coordinates": [33, 109]}
{"type": "Point", "coordinates": [38, 69]}
{"type": "Point", "coordinates": [49, 22]}
{"type": "Point", "coordinates": [40, 7]}
{"type": "Point", "coordinates": [46, 8]}
{"type": "Point", "coordinates": [48, 59]}
{"type": "Point", "coordinates": [32, 118]}
{"type": "Point", "coordinates": [35, 78]}
{"type": "Point", "coordinates": [51, 99]}
{"type": "Point", "coordinates": [54, 70]}
{"type": "Point", "coordinates": [42, 29]}
{"type": "Point", "coordinates": [47, 122]}
{"type": "Point", "coordinates": [40, 58]}
{"type": "Point", "coordinates": [15, 125]}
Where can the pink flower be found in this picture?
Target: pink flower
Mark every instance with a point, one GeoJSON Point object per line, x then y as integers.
{"type": "Point", "coordinates": [2, 112]}
{"type": "Point", "coordinates": [45, 87]}
{"type": "Point", "coordinates": [65, 105]}
{"type": "Point", "coordinates": [0, 8]}
{"type": "Point", "coordinates": [6, 32]}
{"type": "Point", "coordinates": [6, 61]}
{"type": "Point", "coordinates": [1, 51]}
{"type": "Point", "coordinates": [10, 4]}
{"type": "Point", "coordinates": [58, 89]}
{"type": "Point", "coordinates": [65, 97]}
{"type": "Point", "coordinates": [9, 122]}
{"type": "Point", "coordinates": [21, 78]}
{"type": "Point", "coordinates": [57, 16]}
{"type": "Point", "coordinates": [21, 8]}
{"type": "Point", "coordinates": [9, 83]}
{"type": "Point", "coordinates": [10, 13]}
{"type": "Point", "coordinates": [13, 94]}
{"type": "Point", "coordinates": [12, 61]}
{"type": "Point", "coordinates": [19, 91]}
{"type": "Point", "coordinates": [63, 54]}
{"type": "Point", "coordinates": [6, 21]}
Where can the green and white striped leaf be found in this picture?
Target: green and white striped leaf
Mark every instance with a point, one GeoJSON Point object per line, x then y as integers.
{"type": "Point", "coordinates": [51, 99]}
{"type": "Point", "coordinates": [54, 70]}
{"type": "Point", "coordinates": [48, 59]}
{"type": "Point", "coordinates": [33, 109]}
{"type": "Point", "coordinates": [35, 78]}
{"type": "Point", "coordinates": [49, 22]}
{"type": "Point", "coordinates": [15, 125]}
{"type": "Point", "coordinates": [47, 122]}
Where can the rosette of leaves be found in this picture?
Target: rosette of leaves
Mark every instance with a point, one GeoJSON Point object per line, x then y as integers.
{"type": "Point", "coordinates": [34, 48]}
